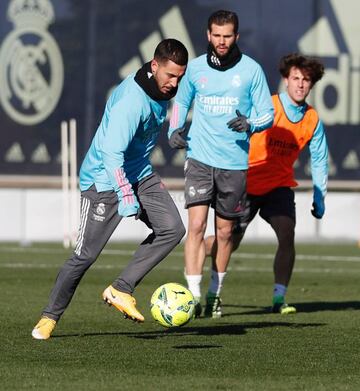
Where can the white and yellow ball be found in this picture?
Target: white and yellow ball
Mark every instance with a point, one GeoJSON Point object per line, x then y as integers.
{"type": "Point", "coordinates": [172, 305]}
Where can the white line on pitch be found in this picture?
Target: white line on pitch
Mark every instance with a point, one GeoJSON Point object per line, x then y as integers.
{"type": "Point", "coordinates": [237, 255]}
{"type": "Point", "coordinates": [22, 265]}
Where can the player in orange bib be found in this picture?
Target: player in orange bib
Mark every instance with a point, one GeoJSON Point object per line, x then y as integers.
{"type": "Point", "coordinates": [272, 155]}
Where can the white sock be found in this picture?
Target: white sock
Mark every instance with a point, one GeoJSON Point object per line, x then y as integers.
{"type": "Point", "coordinates": [216, 282]}
{"type": "Point", "coordinates": [279, 290]}
{"type": "Point", "coordinates": [193, 281]}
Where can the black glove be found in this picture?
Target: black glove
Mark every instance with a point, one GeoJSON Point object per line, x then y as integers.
{"type": "Point", "coordinates": [239, 124]}
{"type": "Point", "coordinates": [177, 140]}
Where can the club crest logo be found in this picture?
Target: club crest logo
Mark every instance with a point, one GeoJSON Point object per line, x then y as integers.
{"type": "Point", "coordinates": [203, 81]}
{"type": "Point", "coordinates": [31, 66]}
{"type": "Point", "coordinates": [236, 81]}
{"type": "Point", "coordinates": [100, 210]}
{"type": "Point", "coordinates": [192, 191]}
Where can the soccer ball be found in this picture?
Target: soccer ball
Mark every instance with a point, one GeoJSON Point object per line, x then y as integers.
{"type": "Point", "coordinates": [172, 305]}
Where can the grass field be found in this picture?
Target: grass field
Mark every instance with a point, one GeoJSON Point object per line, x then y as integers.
{"type": "Point", "coordinates": [94, 348]}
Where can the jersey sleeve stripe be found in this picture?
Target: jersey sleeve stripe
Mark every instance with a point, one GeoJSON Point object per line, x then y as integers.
{"type": "Point", "coordinates": [174, 120]}
{"type": "Point", "coordinates": [125, 186]}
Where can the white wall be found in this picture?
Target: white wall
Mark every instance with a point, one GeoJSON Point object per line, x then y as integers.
{"type": "Point", "coordinates": [38, 215]}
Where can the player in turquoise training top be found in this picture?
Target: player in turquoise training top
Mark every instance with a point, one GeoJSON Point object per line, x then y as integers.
{"type": "Point", "coordinates": [117, 180]}
{"type": "Point", "coordinates": [231, 100]}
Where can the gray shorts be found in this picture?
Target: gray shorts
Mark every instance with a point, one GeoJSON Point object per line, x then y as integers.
{"type": "Point", "coordinates": [224, 190]}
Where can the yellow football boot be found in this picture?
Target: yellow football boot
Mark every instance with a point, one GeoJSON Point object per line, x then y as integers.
{"type": "Point", "coordinates": [123, 302]}
{"type": "Point", "coordinates": [44, 328]}
{"type": "Point", "coordinates": [283, 309]}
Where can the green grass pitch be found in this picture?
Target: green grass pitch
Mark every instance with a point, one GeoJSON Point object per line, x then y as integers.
{"type": "Point", "coordinates": [94, 348]}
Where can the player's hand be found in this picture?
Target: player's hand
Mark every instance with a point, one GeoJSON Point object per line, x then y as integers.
{"type": "Point", "coordinates": [129, 206]}
{"type": "Point", "coordinates": [177, 139]}
{"type": "Point", "coordinates": [138, 213]}
{"type": "Point", "coordinates": [318, 206]}
{"type": "Point", "coordinates": [239, 124]}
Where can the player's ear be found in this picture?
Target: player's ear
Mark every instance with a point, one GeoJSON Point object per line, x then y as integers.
{"type": "Point", "coordinates": [154, 66]}
{"type": "Point", "coordinates": [208, 35]}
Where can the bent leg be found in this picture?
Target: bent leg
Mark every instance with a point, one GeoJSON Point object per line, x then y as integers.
{"type": "Point", "coordinates": [211, 245]}
{"type": "Point", "coordinates": [160, 214]}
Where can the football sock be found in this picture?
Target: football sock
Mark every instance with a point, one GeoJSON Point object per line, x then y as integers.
{"type": "Point", "coordinates": [279, 293]}
{"type": "Point", "coordinates": [216, 282]}
{"type": "Point", "coordinates": [193, 281]}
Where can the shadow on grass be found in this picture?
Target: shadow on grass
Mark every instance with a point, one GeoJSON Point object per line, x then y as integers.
{"type": "Point", "coordinates": [313, 306]}
{"type": "Point", "coordinates": [191, 347]}
{"type": "Point", "coordinates": [316, 306]}
{"type": "Point", "coordinates": [216, 329]}
{"type": "Point", "coordinates": [231, 310]}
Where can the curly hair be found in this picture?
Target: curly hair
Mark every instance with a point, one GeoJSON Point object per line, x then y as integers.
{"type": "Point", "coordinates": [309, 65]}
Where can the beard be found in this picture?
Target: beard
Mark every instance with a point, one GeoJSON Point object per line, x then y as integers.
{"type": "Point", "coordinates": [223, 62]}
{"type": "Point", "coordinates": [222, 55]}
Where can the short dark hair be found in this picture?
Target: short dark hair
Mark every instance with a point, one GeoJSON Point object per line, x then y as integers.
{"type": "Point", "coordinates": [309, 65]}
{"type": "Point", "coordinates": [171, 49]}
{"type": "Point", "coordinates": [222, 17]}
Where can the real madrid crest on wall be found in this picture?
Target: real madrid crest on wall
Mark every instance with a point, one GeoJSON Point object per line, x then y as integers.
{"type": "Point", "coordinates": [31, 67]}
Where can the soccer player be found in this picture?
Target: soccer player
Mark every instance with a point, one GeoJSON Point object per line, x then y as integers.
{"type": "Point", "coordinates": [117, 180]}
{"type": "Point", "coordinates": [229, 89]}
{"type": "Point", "coordinates": [271, 174]}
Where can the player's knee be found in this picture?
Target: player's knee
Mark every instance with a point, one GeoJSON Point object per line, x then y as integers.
{"type": "Point", "coordinates": [197, 226]}
{"type": "Point", "coordinates": [180, 232]}
{"type": "Point", "coordinates": [82, 260]}
{"type": "Point", "coordinates": [175, 230]}
{"type": "Point", "coordinates": [224, 233]}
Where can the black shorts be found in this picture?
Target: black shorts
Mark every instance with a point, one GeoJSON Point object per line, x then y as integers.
{"type": "Point", "coordinates": [277, 202]}
{"type": "Point", "coordinates": [224, 190]}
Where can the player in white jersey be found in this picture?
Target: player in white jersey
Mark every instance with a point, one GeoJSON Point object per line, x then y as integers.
{"type": "Point", "coordinates": [231, 100]}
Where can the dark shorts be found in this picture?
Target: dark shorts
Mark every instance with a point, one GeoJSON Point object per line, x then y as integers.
{"type": "Point", "coordinates": [278, 202]}
{"type": "Point", "coordinates": [224, 190]}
